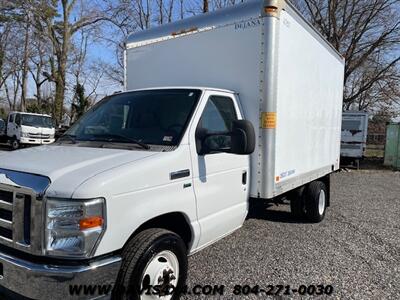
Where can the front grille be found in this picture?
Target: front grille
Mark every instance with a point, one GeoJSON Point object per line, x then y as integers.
{"type": "Point", "coordinates": [6, 215]}
{"type": "Point", "coordinates": [6, 196]}
{"type": "Point", "coordinates": [39, 136]}
{"type": "Point", "coordinates": [20, 219]}
{"type": "Point", "coordinates": [352, 146]}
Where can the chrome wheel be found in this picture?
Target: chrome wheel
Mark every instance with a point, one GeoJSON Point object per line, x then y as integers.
{"type": "Point", "coordinates": [321, 202]}
{"type": "Point", "coordinates": [161, 271]}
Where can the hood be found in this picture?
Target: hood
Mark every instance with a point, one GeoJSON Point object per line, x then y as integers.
{"type": "Point", "coordinates": [68, 166]}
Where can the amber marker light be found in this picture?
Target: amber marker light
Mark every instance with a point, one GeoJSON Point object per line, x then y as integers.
{"type": "Point", "coordinates": [91, 222]}
{"type": "Point", "coordinates": [270, 9]}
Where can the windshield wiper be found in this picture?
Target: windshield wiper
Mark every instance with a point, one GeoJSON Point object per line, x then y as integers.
{"type": "Point", "coordinates": [114, 138]}
{"type": "Point", "coordinates": [71, 137]}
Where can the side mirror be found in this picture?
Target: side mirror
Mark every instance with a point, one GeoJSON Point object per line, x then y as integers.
{"type": "Point", "coordinates": [207, 143]}
{"type": "Point", "coordinates": [243, 137]}
{"type": "Point", "coordinates": [241, 140]}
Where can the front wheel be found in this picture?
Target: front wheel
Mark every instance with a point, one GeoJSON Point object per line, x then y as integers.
{"type": "Point", "coordinates": [154, 265]}
{"type": "Point", "coordinates": [316, 199]}
{"type": "Point", "coordinates": [15, 144]}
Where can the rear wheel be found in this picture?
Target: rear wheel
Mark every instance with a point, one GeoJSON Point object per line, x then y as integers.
{"type": "Point", "coordinates": [297, 206]}
{"type": "Point", "coordinates": [316, 199]}
{"type": "Point", "coordinates": [154, 263]}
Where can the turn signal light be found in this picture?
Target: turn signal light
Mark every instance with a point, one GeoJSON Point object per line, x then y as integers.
{"type": "Point", "coordinates": [270, 9]}
{"type": "Point", "coordinates": [90, 222]}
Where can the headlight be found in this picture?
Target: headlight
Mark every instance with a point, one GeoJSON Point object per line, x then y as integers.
{"type": "Point", "coordinates": [74, 228]}
{"type": "Point", "coordinates": [24, 134]}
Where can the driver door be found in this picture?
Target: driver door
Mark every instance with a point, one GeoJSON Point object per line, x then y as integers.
{"type": "Point", "coordinates": [220, 179]}
{"type": "Point", "coordinates": [11, 126]}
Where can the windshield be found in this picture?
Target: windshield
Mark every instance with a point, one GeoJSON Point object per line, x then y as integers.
{"type": "Point", "coordinates": [37, 121]}
{"type": "Point", "coordinates": [154, 117]}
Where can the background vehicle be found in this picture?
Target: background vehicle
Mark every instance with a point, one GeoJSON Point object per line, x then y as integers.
{"type": "Point", "coordinates": [354, 136]}
{"type": "Point", "coordinates": [61, 130]}
{"type": "Point", "coordinates": [245, 102]}
{"type": "Point", "coordinates": [2, 127]}
{"type": "Point", "coordinates": [29, 129]}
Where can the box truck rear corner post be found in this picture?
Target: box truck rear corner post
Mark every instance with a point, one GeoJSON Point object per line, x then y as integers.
{"type": "Point", "coordinates": [243, 103]}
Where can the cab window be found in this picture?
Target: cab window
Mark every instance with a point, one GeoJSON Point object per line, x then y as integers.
{"type": "Point", "coordinates": [216, 120]}
{"type": "Point", "coordinates": [218, 115]}
{"type": "Point", "coordinates": [18, 119]}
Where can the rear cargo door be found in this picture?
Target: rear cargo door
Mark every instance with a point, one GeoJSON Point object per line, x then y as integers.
{"type": "Point", "coordinates": [220, 179]}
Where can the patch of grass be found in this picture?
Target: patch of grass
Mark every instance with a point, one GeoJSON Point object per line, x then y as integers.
{"type": "Point", "coordinates": [375, 151]}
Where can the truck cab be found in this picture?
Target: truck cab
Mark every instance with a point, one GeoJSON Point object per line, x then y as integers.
{"type": "Point", "coordinates": [29, 129]}
{"type": "Point", "coordinates": [165, 163]}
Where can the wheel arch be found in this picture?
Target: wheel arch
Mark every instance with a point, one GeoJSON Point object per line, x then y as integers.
{"type": "Point", "coordinates": [177, 222]}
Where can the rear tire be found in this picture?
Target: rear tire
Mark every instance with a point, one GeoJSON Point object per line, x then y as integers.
{"type": "Point", "coordinates": [297, 206]}
{"type": "Point", "coordinates": [316, 199]}
{"type": "Point", "coordinates": [154, 257]}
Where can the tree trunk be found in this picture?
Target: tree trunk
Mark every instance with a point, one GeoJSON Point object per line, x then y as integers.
{"type": "Point", "coordinates": [182, 10]}
{"type": "Point", "coordinates": [62, 55]}
{"type": "Point", "coordinates": [205, 6]}
{"type": "Point", "coordinates": [59, 100]}
{"type": "Point", "coordinates": [25, 68]}
{"type": "Point", "coordinates": [161, 12]}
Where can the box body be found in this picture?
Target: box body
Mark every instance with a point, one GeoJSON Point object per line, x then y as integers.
{"type": "Point", "coordinates": [288, 78]}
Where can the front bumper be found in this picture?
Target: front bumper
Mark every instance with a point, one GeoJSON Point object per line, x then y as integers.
{"type": "Point", "coordinates": [34, 141]}
{"type": "Point", "coordinates": [41, 281]}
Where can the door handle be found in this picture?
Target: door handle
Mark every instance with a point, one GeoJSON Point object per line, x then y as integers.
{"type": "Point", "coordinates": [179, 174]}
{"type": "Point", "coordinates": [244, 178]}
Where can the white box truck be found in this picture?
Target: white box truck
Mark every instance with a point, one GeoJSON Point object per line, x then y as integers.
{"type": "Point", "coordinates": [24, 128]}
{"type": "Point", "coordinates": [354, 135]}
{"type": "Point", "coordinates": [242, 103]}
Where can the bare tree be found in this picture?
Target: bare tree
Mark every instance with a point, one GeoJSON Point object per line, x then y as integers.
{"type": "Point", "coordinates": [25, 62]}
{"type": "Point", "coordinates": [10, 17]}
{"type": "Point", "coordinates": [39, 63]}
{"type": "Point", "coordinates": [367, 34]}
{"type": "Point", "coordinates": [60, 30]}
{"type": "Point", "coordinates": [4, 38]}
{"type": "Point", "coordinates": [132, 16]}
{"type": "Point", "coordinates": [11, 52]}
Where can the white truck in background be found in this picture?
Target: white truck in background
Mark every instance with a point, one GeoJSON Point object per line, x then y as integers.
{"type": "Point", "coordinates": [242, 103]}
{"type": "Point", "coordinates": [2, 127]}
{"type": "Point", "coordinates": [23, 128]}
{"type": "Point", "coordinates": [354, 136]}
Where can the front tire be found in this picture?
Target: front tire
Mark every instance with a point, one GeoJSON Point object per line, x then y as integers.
{"type": "Point", "coordinates": [316, 199]}
{"type": "Point", "coordinates": [15, 144]}
{"type": "Point", "coordinates": [154, 257]}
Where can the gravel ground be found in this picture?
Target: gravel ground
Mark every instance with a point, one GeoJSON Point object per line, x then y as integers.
{"type": "Point", "coordinates": [356, 249]}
